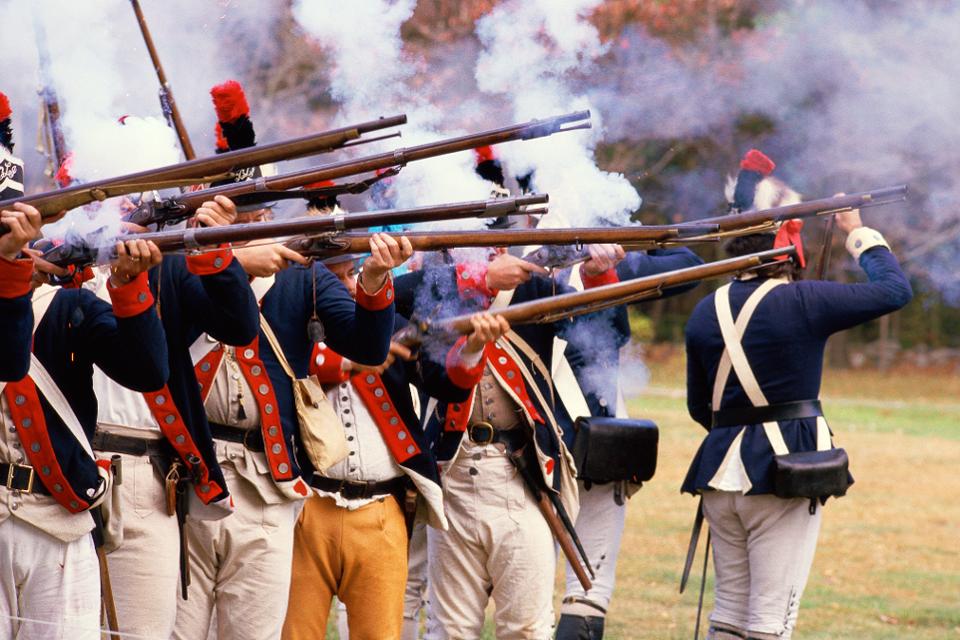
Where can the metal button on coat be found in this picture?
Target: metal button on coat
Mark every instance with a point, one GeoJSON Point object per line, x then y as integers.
{"type": "Point", "coordinates": [58, 487]}
{"type": "Point", "coordinates": [411, 449]}
{"type": "Point", "coordinates": [276, 449]}
{"type": "Point", "coordinates": [170, 419]}
{"type": "Point", "coordinates": [473, 471]}
{"type": "Point", "coordinates": [141, 297]}
{"type": "Point", "coordinates": [180, 439]}
{"type": "Point", "coordinates": [20, 400]}
{"type": "Point", "coordinates": [370, 379]}
{"type": "Point", "coordinates": [272, 431]}
{"type": "Point", "coordinates": [35, 447]}
{"type": "Point", "coordinates": [283, 467]}
{"type": "Point", "coordinates": [263, 389]}
{"type": "Point", "coordinates": [401, 435]}
{"type": "Point", "coordinates": [160, 400]}
{"type": "Point", "coordinates": [218, 262]}
{"type": "Point", "coordinates": [255, 370]}
{"type": "Point", "coordinates": [268, 408]}
{"type": "Point", "coordinates": [248, 353]}
{"type": "Point", "coordinates": [378, 393]}
{"type": "Point", "coordinates": [205, 367]}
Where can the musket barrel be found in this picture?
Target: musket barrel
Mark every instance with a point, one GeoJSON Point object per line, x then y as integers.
{"type": "Point", "coordinates": [397, 157]}
{"type": "Point", "coordinates": [579, 302]}
{"type": "Point", "coordinates": [734, 222]}
{"type": "Point", "coordinates": [52, 202]}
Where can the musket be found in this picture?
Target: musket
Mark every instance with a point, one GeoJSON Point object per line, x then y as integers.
{"type": "Point", "coordinates": [167, 103]}
{"type": "Point", "coordinates": [265, 189]}
{"type": "Point", "coordinates": [80, 253]}
{"type": "Point", "coordinates": [559, 247]}
{"type": "Point", "coordinates": [55, 146]}
{"type": "Point", "coordinates": [202, 170]}
{"type": "Point", "coordinates": [555, 515]}
{"type": "Point", "coordinates": [568, 305]}
{"type": "Point", "coordinates": [753, 221]}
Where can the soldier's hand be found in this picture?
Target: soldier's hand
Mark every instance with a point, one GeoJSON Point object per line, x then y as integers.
{"type": "Point", "coordinates": [42, 269]}
{"type": "Point", "coordinates": [487, 327]}
{"type": "Point", "coordinates": [24, 222]}
{"type": "Point", "coordinates": [385, 254]}
{"type": "Point", "coordinates": [507, 272]}
{"type": "Point", "coordinates": [265, 260]}
{"type": "Point", "coordinates": [133, 258]}
{"type": "Point", "coordinates": [218, 212]}
{"type": "Point", "coordinates": [603, 257]}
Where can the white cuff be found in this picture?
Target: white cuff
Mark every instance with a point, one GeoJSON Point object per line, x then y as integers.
{"type": "Point", "coordinates": [470, 360]}
{"type": "Point", "coordinates": [862, 239]}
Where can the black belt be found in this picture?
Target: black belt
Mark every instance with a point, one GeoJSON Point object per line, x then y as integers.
{"type": "Point", "coordinates": [130, 445]}
{"type": "Point", "coordinates": [485, 433]}
{"type": "Point", "coordinates": [21, 477]}
{"type": "Point", "coordinates": [352, 490]}
{"type": "Point", "coordinates": [771, 413]}
{"type": "Point", "coordinates": [252, 439]}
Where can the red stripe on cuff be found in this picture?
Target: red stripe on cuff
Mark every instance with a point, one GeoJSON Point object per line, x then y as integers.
{"type": "Point", "coordinates": [607, 277]}
{"type": "Point", "coordinates": [327, 365]}
{"type": "Point", "coordinates": [461, 374]}
{"type": "Point", "coordinates": [211, 262]}
{"type": "Point", "coordinates": [131, 299]}
{"type": "Point", "coordinates": [15, 277]}
{"type": "Point", "coordinates": [377, 301]}
{"type": "Point", "coordinates": [472, 283]}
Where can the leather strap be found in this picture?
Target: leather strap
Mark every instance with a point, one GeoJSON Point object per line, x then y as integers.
{"type": "Point", "coordinates": [485, 433]}
{"type": "Point", "coordinates": [770, 413]}
{"type": "Point", "coordinates": [103, 441]}
{"type": "Point", "coordinates": [352, 490]}
{"type": "Point", "coordinates": [21, 477]}
{"type": "Point", "coordinates": [252, 439]}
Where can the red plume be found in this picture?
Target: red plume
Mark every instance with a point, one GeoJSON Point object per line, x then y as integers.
{"type": "Point", "coordinates": [222, 145]}
{"type": "Point", "coordinates": [63, 176]}
{"type": "Point", "coordinates": [229, 101]}
{"type": "Point", "coordinates": [789, 234]}
{"type": "Point", "coordinates": [5, 110]}
{"type": "Point", "coordinates": [756, 160]}
{"type": "Point", "coordinates": [484, 153]}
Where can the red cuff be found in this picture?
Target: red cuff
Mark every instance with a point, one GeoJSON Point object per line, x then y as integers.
{"type": "Point", "coordinates": [377, 301]}
{"type": "Point", "coordinates": [327, 365]}
{"type": "Point", "coordinates": [458, 372]}
{"type": "Point", "coordinates": [131, 299]}
{"type": "Point", "coordinates": [472, 283]}
{"type": "Point", "coordinates": [607, 277]}
{"type": "Point", "coordinates": [210, 262]}
{"type": "Point", "coordinates": [15, 277]}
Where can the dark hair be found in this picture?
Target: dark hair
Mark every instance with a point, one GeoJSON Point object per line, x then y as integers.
{"type": "Point", "coordinates": [755, 242]}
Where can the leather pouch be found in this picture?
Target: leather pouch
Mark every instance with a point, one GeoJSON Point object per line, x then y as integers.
{"type": "Point", "coordinates": [811, 474]}
{"type": "Point", "coordinates": [614, 449]}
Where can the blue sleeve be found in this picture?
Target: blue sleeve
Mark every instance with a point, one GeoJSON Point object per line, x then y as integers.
{"type": "Point", "coordinates": [132, 351]}
{"type": "Point", "coordinates": [699, 387]}
{"type": "Point", "coordinates": [638, 264]}
{"type": "Point", "coordinates": [830, 307]}
{"type": "Point", "coordinates": [16, 327]}
{"type": "Point", "coordinates": [352, 331]}
{"type": "Point", "coordinates": [221, 305]}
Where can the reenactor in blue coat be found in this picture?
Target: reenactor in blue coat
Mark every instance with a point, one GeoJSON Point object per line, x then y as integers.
{"type": "Point", "coordinates": [51, 578]}
{"type": "Point", "coordinates": [754, 362]}
{"type": "Point", "coordinates": [594, 390]}
{"type": "Point", "coordinates": [498, 543]}
{"type": "Point", "coordinates": [243, 563]}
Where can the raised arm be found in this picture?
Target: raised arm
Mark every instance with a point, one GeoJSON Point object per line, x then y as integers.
{"type": "Point", "coordinates": [16, 311]}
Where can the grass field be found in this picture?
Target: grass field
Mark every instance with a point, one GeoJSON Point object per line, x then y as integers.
{"type": "Point", "coordinates": [888, 563]}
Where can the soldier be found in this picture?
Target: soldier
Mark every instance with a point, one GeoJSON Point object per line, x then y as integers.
{"type": "Point", "coordinates": [351, 539]}
{"type": "Point", "coordinates": [498, 543]}
{"type": "Point", "coordinates": [163, 439]}
{"type": "Point", "coordinates": [242, 564]}
{"type": "Point", "coordinates": [593, 389]}
{"type": "Point", "coordinates": [51, 581]}
{"type": "Point", "coordinates": [754, 362]}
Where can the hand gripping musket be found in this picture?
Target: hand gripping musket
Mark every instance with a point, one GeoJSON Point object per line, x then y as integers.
{"type": "Point", "coordinates": [167, 103]}
{"type": "Point", "coordinates": [569, 305]}
{"type": "Point", "coordinates": [738, 224]}
{"type": "Point", "coordinates": [266, 189]}
{"type": "Point", "coordinates": [202, 170]}
{"type": "Point", "coordinates": [200, 238]}
{"type": "Point", "coordinates": [560, 247]}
